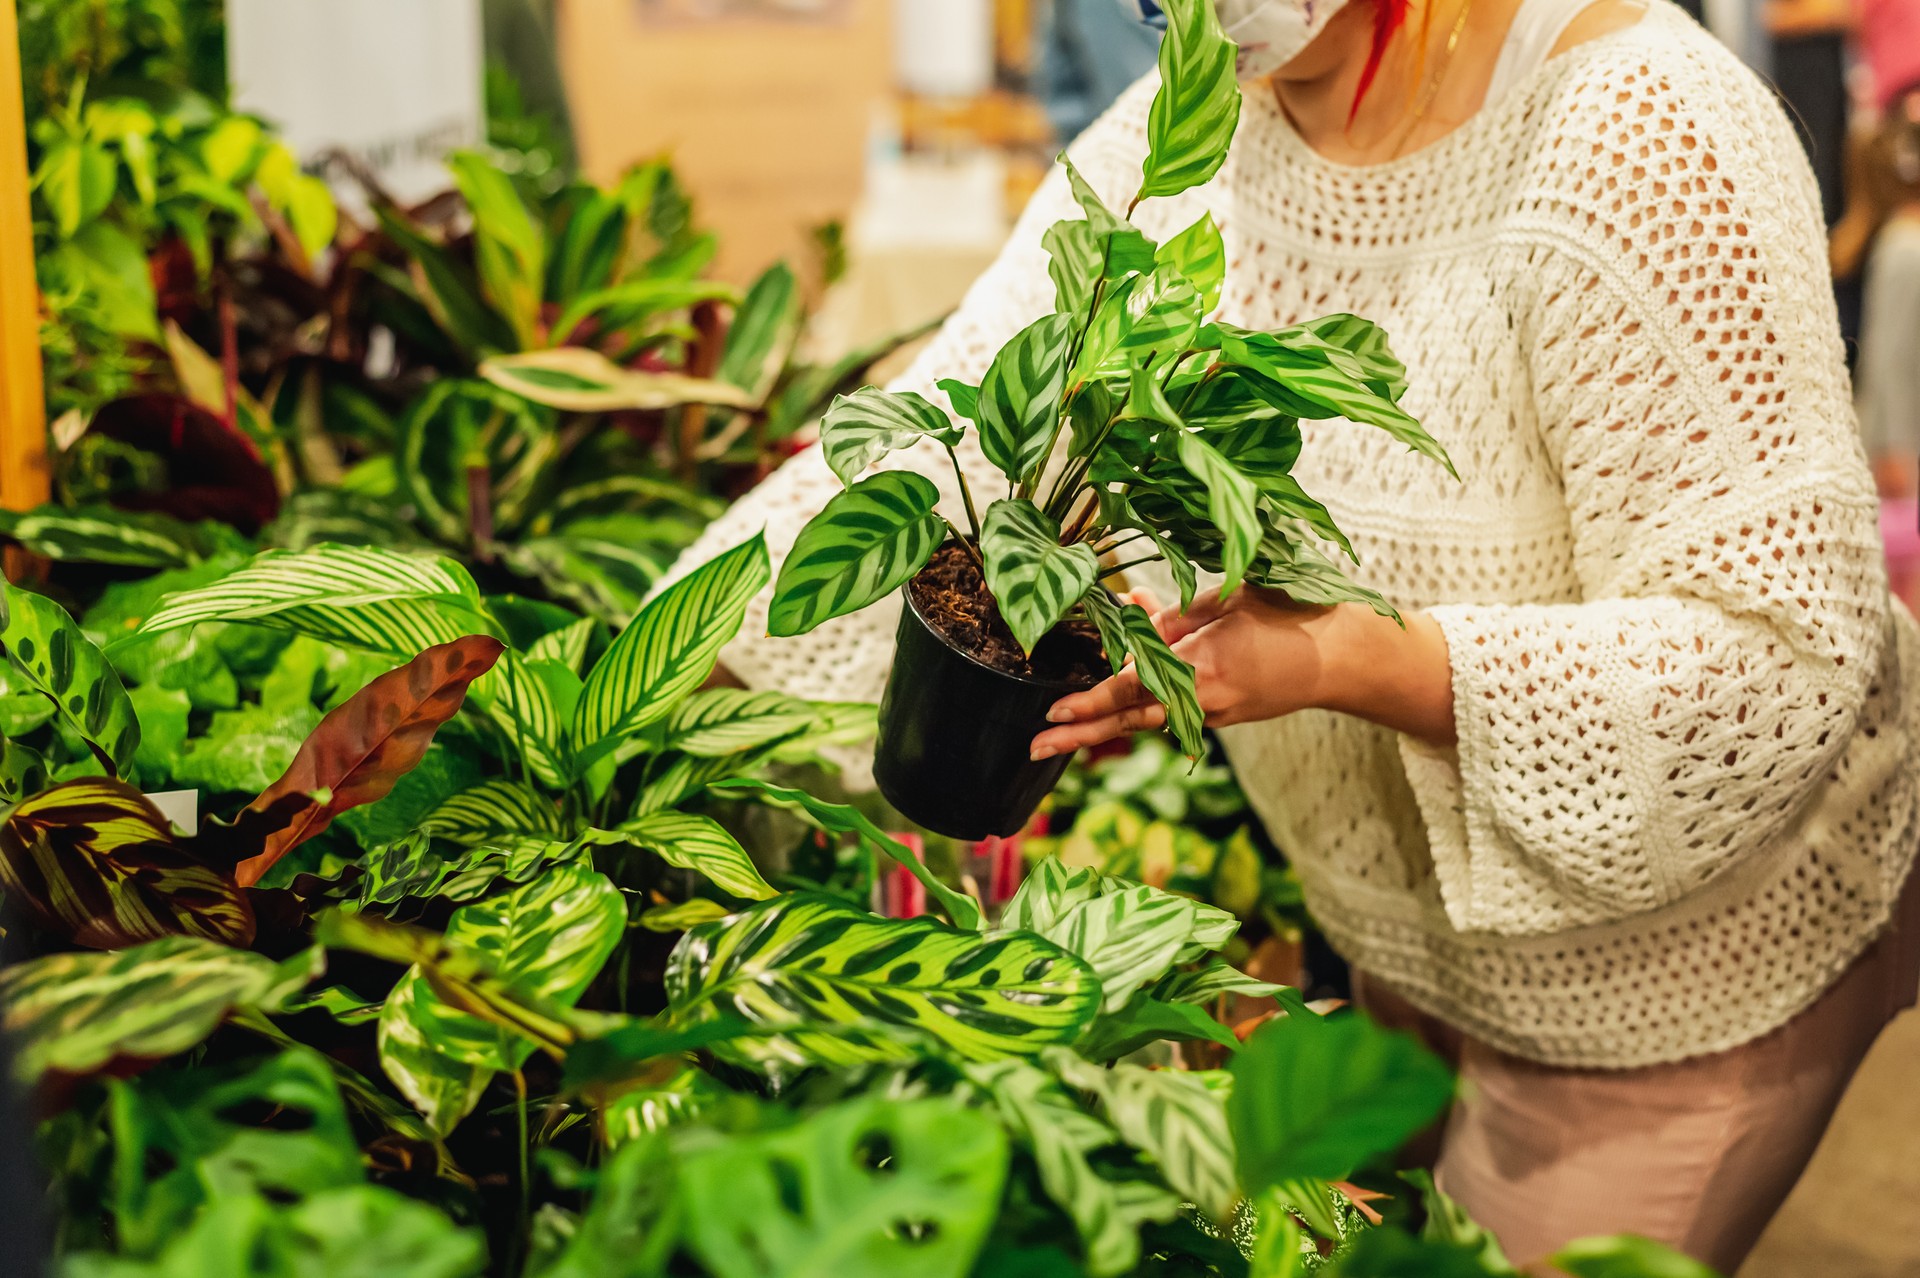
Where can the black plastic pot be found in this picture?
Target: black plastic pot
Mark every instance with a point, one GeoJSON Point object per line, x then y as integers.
{"type": "Point", "coordinates": [954, 737]}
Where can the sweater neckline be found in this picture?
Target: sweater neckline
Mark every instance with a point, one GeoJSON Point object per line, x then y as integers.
{"type": "Point", "coordinates": [1518, 97]}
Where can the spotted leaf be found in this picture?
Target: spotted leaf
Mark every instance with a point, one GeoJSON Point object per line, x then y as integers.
{"type": "Point", "coordinates": [56, 660]}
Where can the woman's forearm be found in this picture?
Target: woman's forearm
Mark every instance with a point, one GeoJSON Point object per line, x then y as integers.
{"type": "Point", "coordinates": [1401, 679]}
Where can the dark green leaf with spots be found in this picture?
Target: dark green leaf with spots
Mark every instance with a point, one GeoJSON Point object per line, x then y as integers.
{"type": "Point", "coordinates": [56, 660]}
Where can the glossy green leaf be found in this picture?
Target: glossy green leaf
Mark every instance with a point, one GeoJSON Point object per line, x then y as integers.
{"type": "Point", "coordinates": [700, 844]}
{"type": "Point", "coordinates": [1199, 256]}
{"type": "Point", "coordinates": [1145, 1021]}
{"type": "Point", "coordinates": [1033, 577]}
{"type": "Point", "coordinates": [964, 398]}
{"type": "Point", "coordinates": [1293, 565]}
{"type": "Point", "coordinates": [810, 1200]}
{"type": "Point", "coordinates": [576, 379]}
{"type": "Point", "coordinates": [764, 326]}
{"type": "Point", "coordinates": [1019, 401]}
{"type": "Point", "coordinates": [864, 544]}
{"type": "Point", "coordinates": [722, 721]}
{"type": "Point", "coordinates": [103, 535]}
{"type": "Point", "coordinates": [1173, 1117]}
{"type": "Point", "coordinates": [1197, 107]}
{"type": "Point", "coordinates": [813, 963]}
{"type": "Point", "coordinates": [51, 656]}
{"type": "Point", "coordinates": [1317, 1096]}
{"type": "Point", "coordinates": [1213, 981]}
{"type": "Point", "coordinates": [1126, 630]}
{"type": "Point", "coordinates": [493, 808]}
{"type": "Point", "coordinates": [95, 862]}
{"type": "Point", "coordinates": [1232, 503]}
{"type": "Point", "coordinates": [667, 652]}
{"type": "Point", "coordinates": [78, 1013]}
{"type": "Point", "coordinates": [865, 426]}
{"type": "Point", "coordinates": [839, 818]}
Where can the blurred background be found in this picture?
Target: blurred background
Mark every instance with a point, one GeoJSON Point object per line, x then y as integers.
{"type": "Point", "coordinates": [864, 156]}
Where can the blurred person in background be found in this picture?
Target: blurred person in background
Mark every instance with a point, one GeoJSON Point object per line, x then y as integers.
{"type": "Point", "coordinates": [1622, 820]}
{"type": "Point", "coordinates": [1090, 51]}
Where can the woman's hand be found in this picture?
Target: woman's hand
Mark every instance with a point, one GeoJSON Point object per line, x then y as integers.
{"type": "Point", "coordinates": [1260, 655]}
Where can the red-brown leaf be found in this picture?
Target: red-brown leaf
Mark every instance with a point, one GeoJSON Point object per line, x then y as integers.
{"type": "Point", "coordinates": [363, 747]}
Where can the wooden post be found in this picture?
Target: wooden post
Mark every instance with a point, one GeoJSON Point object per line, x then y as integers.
{"type": "Point", "coordinates": [24, 479]}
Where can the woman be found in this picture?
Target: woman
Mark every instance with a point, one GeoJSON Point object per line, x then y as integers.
{"type": "Point", "coordinates": [1623, 815]}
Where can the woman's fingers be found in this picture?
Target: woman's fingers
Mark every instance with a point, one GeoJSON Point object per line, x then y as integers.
{"type": "Point", "coordinates": [1104, 698]}
{"type": "Point", "coordinates": [1175, 625]}
{"type": "Point", "coordinates": [1092, 732]}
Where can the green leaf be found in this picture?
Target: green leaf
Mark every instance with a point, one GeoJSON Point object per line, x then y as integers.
{"type": "Point", "coordinates": [96, 863]}
{"type": "Point", "coordinates": [1447, 1221]}
{"type": "Point", "coordinates": [627, 303]}
{"type": "Point", "coordinates": [865, 426]}
{"type": "Point", "coordinates": [683, 915]}
{"type": "Point", "coordinates": [1075, 263]}
{"type": "Point", "coordinates": [1127, 630]}
{"type": "Point", "coordinates": [1213, 981]}
{"type": "Point", "coordinates": [1145, 1021]}
{"type": "Point", "coordinates": [815, 964]}
{"type": "Point", "coordinates": [244, 750]}
{"type": "Point", "coordinates": [1032, 576]}
{"type": "Point", "coordinates": [1173, 1117]}
{"type": "Point", "coordinates": [1388, 1253]}
{"type": "Point", "coordinates": [54, 659]}
{"type": "Point", "coordinates": [447, 290]}
{"type": "Point", "coordinates": [1626, 1256]}
{"type": "Point", "coordinates": [509, 245]}
{"type": "Point", "coordinates": [1019, 401]}
{"type": "Point", "coordinates": [1232, 503]}
{"type": "Point", "coordinates": [531, 702]}
{"type": "Point", "coordinates": [1197, 107]}
{"type": "Point", "coordinates": [1106, 1214]}
{"type": "Point", "coordinates": [76, 181]}
{"type": "Point", "coordinates": [1317, 1096]}
{"type": "Point", "coordinates": [811, 1200]}
{"type": "Point", "coordinates": [103, 535]}
{"type": "Point", "coordinates": [632, 1224]}
{"type": "Point", "coordinates": [700, 844]}
{"type": "Point", "coordinates": [1199, 256]}
{"type": "Point", "coordinates": [864, 544]}
{"type": "Point", "coordinates": [493, 808]}
{"type": "Point", "coordinates": [78, 1013]}
{"type": "Point", "coordinates": [667, 652]}
{"type": "Point", "coordinates": [460, 426]}
{"type": "Point", "coordinates": [1293, 565]}
{"type": "Point", "coordinates": [575, 379]}
{"type": "Point", "coordinates": [723, 721]}
{"type": "Point", "coordinates": [964, 398]}
{"type": "Point", "coordinates": [762, 332]}
{"type": "Point", "coordinates": [838, 818]}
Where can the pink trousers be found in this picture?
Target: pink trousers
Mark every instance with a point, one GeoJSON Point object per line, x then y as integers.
{"type": "Point", "coordinates": [1698, 1154]}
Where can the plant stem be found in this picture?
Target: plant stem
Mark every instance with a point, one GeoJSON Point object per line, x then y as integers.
{"type": "Point", "coordinates": [1131, 563]}
{"type": "Point", "coordinates": [966, 493]}
{"type": "Point", "coordinates": [971, 548]}
{"type": "Point", "coordinates": [526, 1161]}
{"type": "Point", "coordinates": [1112, 546]}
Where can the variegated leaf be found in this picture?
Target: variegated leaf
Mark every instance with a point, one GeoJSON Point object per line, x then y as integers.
{"type": "Point", "coordinates": [700, 844]}
{"type": "Point", "coordinates": [1197, 107]}
{"type": "Point", "coordinates": [814, 963]}
{"type": "Point", "coordinates": [723, 721]}
{"type": "Point", "coordinates": [575, 379]}
{"type": "Point", "coordinates": [1293, 565]}
{"type": "Point", "coordinates": [1126, 630]}
{"type": "Point", "coordinates": [1210, 982]}
{"type": "Point", "coordinates": [530, 701]}
{"type": "Point", "coordinates": [82, 1012]}
{"type": "Point", "coordinates": [763, 329]}
{"type": "Point", "coordinates": [865, 543]}
{"type": "Point", "coordinates": [53, 658]}
{"type": "Point", "coordinates": [1019, 402]}
{"type": "Point", "coordinates": [1173, 1117]}
{"type": "Point", "coordinates": [492, 808]}
{"type": "Point", "coordinates": [96, 863]}
{"type": "Point", "coordinates": [1033, 577]}
{"type": "Point", "coordinates": [667, 651]}
{"type": "Point", "coordinates": [1200, 255]}
{"type": "Point", "coordinates": [865, 426]}
{"type": "Point", "coordinates": [1231, 502]}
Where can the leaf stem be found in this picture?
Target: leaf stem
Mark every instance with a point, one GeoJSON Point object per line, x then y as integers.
{"type": "Point", "coordinates": [526, 1162]}
{"type": "Point", "coordinates": [966, 493]}
{"type": "Point", "coordinates": [971, 548]}
{"type": "Point", "coordinates": [1114, 545]}
{"type": "Point", "coordinates": [1131, 563]}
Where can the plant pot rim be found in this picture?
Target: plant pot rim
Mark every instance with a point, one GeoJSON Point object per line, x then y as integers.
{"type": "Point", "coordinates": [1063, 686]}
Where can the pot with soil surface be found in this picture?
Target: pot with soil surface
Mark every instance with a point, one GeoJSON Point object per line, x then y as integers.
{"type": "Point", "coordinates": [1127, 428]}
{"type": "Point", "coordinates": [963, 700]}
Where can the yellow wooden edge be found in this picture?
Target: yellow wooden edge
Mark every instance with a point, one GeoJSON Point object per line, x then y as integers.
{"type": "Point", "coordinates": [24, 478]}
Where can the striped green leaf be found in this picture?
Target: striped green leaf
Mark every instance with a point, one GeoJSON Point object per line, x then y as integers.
{"type": "Point", "coordinates": [685, 775]}
{"type": "Point", "coordinates": [103, 535]}
{"type": "Point", "coordinates": [1019, 401]}
{"type": "Point", "coordinates": [95, 862]}
{"type": "Point", "coordinates": [413, 869]}
{"type": "Point", "coordinates": [1318, 1097]}
{"type": "Point", "coordinates": [1107, 1214]}
{"type": "Point", "coordinates": [1033, 577]}
{"type": "Point", "coordinates": [764, 326]}
{"type": "Point", "coordinates": [815, 963]}
{"type": "Point", "coordinates": [1126, 630]}
{"type": "Point", "coordinates": [667, 652]}
{"type": "Point", "coordinates": [682, 915]}
{"type": "Point", "coordinates": [1210, 982]}
{"type": "Point", "coordinates": [493, 808]}
{"type": "Point", "coordinates": [1263, 448]}
{"type": "Point", "coordinates": [1173, 1117]}
{"type": "Point", "coordinates": [1291, 564]}
{"type": "Point", "coordinates": [79, 1013]}
{"type": "Point", "coordinates": [722, 721]}
{"type": "Point", "coordinates": [700, 844]}
{"type": "Point", "coordinates": [1231, 502]}
{"type": "Point", "coordinates": [811, 1196]}
{"type": "Point", "coordinates": [530, 702]}
{"type": "Point", "coordinates": [1197, 107]}
{"type": "Point", "coordinates": [865, 426]}
{"type": "Point", "coordinates": [1074, 262]}
{"type": "Point", "coordinates": [458, 425]}
{"type": "Point", "coordinates": [1284, 495]}
{"type": "Point", "coordinates": [574, 379]}
{"type": "Point", "coordinates": [1198, 255]}
{"type": "Point", "coordinates": [1358, 347]}
{"type": "Point", "coordinates": [567, 645]}
{"type": "Point", "coordinates": [444, 1089]}
{"type": "Point", "coordinates": [360, 596]}
{"type": "Point", "coordinates": [547, 939]}
{"type": "Point", "coordinates": [838, 818]}
{"type": "Point", "coordinates": [52, 657]}
{"type": "Point", "coordinates": [864, 544]}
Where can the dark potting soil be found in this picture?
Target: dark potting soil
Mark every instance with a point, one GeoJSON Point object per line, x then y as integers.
{"type": "Point", "coordinates": [953, 597]}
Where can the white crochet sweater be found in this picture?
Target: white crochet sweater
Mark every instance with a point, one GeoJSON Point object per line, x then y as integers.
{"type": "Point", "coordinates": [1684, 795]}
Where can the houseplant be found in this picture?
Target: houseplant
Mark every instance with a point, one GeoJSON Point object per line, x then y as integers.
{"type": "Point", "coordinates": [1122, 421]}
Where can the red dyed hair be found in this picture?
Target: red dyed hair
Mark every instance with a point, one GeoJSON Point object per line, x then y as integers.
{"type": "Point", "coordinates": [1388, 16]}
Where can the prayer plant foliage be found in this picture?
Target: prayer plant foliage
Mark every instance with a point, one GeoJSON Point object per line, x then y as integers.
{"type": "Point", "coordinates": [1179, 434]}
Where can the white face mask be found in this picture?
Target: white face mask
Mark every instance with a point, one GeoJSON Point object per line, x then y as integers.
{"type": "Point", "coordinates": [1269, 32]}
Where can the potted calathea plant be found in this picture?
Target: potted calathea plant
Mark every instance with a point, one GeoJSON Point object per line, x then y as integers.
{"type": "Point", "coordinates": [1129, 428]}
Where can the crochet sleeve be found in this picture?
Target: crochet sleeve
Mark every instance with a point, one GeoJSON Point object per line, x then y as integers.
{"type": "Point", "coordinates": [1616, 753]}
{"type": "Point", "coordinates": [847, 658]}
